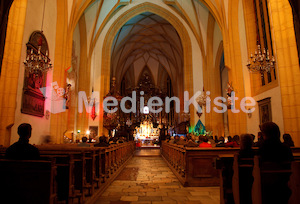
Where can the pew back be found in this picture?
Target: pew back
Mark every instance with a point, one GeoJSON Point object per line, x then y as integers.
{"type": "Point", "coordinates": [271, 181]}
{"type": "Point", "coordinates": [27, 181]}
{"type": "Point", "coordinates": [242, 179]}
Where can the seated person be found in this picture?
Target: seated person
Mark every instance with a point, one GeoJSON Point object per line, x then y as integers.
{"type": "Point", "coordinates": [275, 187]}
{"type": "Point", "coordinates": [221, 142]}
{"type": "Point", "coordinates": [83, 143]}
{"type": "Point", "coordinates": [211, 141]}
{"type": "Point", "coordinates": [22, 149]}
{"type": "Point", "coordinates": [113, 140]}
{"type": "Point", "coordinates": [181, 141]}
{"type": "Point", "coordinates": [216, 139]}
{"type": "Point", "coordinates": [204, 142]}
{"type": "Point", "coordinates": [259, 141]}
{"type": "Point", "coordinates": [191, 142]}
{"type": "Point", "coordinates": [234, 142]}
{"type": "Point", "coordinates": [272, 149]}
{"type": "Point", "coordinates": [176, 139]}
{"type": "Point", "coordinates": [246, 143]}
{"type": "Point", "coordinates": [287, 140]}
{"type": "Point", "coordinates": [102, 142]}
{"type": "Point", "coordinates": [229, 139]}
{"type": "Point", "coordinates": [172, 140]}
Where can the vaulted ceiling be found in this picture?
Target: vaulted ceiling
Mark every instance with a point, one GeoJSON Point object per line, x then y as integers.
{"type": "Point", "coordinates": [147, 40]}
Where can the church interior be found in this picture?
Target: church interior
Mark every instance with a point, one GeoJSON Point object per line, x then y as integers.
{"type": "Point", "coordinates": [139, 101]}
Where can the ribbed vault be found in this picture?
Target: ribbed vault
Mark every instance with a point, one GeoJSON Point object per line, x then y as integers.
{"type": "Point", "coordinates": [147, 40]}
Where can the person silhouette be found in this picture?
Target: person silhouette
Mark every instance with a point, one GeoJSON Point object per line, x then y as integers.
{"type": "Point", "coordinates": [22, 150]}
{"type": "Point", "coordinates": [275, 186]}
{"type": "Point", "coordinates": [84, 142]}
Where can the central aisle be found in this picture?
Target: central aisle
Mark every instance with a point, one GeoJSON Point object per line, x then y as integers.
{"type": "Point", "coordinates": [148, 180]}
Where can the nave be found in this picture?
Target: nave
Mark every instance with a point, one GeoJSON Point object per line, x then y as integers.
{"type": "Point", "coordinates": [148, 180]}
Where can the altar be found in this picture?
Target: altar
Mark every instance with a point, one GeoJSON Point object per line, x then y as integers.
{"type": "Point", "coordinates": [146, 133]}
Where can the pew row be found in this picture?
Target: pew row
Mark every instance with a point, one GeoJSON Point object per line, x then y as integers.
{"type": "Point", "coordinates": [28, 182]}
{"type": "Point", "coordinates": [194, 166]}
{"type": "Point", "coordinates": [202, 167]}
{"type": "Point", "coordinates": [255, 181]}
{"type": "Point", "coordinates": [83, 173]}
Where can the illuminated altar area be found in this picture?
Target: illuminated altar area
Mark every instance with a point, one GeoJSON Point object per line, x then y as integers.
{"type": "Point", "coordinates": [146, 132]}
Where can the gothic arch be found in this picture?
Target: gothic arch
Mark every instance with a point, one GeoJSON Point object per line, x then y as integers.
{"type": "Point", "coordinates": [121, 20]}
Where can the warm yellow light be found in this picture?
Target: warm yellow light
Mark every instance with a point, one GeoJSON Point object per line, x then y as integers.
{"type": "Point", "coordinates": [88, 132]}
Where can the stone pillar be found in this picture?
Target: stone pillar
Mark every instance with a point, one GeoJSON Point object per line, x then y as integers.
{"type": "Point", "coordinates": [10, 68]}
{"type": "Point", "coordinates": [288, 65]}
{"type": "Point", "coordinates": [233, 61]}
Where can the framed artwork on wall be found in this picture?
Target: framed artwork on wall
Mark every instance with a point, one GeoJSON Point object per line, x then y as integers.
{"type": "Point", "coordinates": [265, 111]}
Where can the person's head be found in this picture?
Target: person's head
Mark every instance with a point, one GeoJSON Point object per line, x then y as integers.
{"type": "Point", "coordinates": [24, 131]}
{"type": "Point", "coordinates": [84, 139]}
{"type": "Point", "coordinates": [47, 139]}
{"type": "Point", "coordinates": [204, 139]}
{"type": "Point", "coordinates": [102, 139]}
{"type": "Point", "coordinates": [221, 139]}
{"type": "Point", "coordinates": [246, 141]}
{"type": "Point", "coordinates": [270, 131]}
{"type": "Point", "coordinates": [236, 138]}
{"type": "Point", "coordinates": [182, 138]}
{"type": "Point", "coordinates": [229, 139]}
{"type": "Point", "coordinates": [176, 137]}
{"type": "Point", "coordinates": [288, 140]}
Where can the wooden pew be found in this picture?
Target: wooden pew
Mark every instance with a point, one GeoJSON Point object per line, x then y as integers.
{"type": "Point", "coordinates": [84, 172]}
{"type": "Point", "coordinates": [71, 162]}
{"type": "Point", "coordinates": [194, 166]}
{"type": "Point", "coordinates": [270, 181]}
{"type": "Point", "coordinates": [242, 179]}
{"type": "Point", "coordinates": [27, 182]}
{"type": "Point", "coordinates": [294, 182]}
{"type": "Point", "coordinates": [224, 164]}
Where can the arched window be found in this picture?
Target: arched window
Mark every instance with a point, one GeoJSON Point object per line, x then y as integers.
{"type": "Point", "coordinates": [264, 37]}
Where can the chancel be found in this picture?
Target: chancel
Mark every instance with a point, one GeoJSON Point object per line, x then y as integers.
{"type": "Point", "coordinates": [162, 101]}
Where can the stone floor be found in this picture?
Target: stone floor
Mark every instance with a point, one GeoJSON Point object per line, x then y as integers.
{"type": "Point", "coordinates": [148, 180]}
{"type": "Point", "coordinates": [146, 152]}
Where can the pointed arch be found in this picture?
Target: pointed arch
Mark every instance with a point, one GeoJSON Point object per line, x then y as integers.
{"type": "Point", "coordinates": [120, 21]}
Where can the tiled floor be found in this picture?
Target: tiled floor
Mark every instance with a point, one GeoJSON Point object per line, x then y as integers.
{"type": "Point", "coordinates": [148, 180]}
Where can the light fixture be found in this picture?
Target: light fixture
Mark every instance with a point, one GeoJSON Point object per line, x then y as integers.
{"type": "Point", "coordinates": [37, 60]}
{"type": "Point", "coordinates": [261, 61]}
